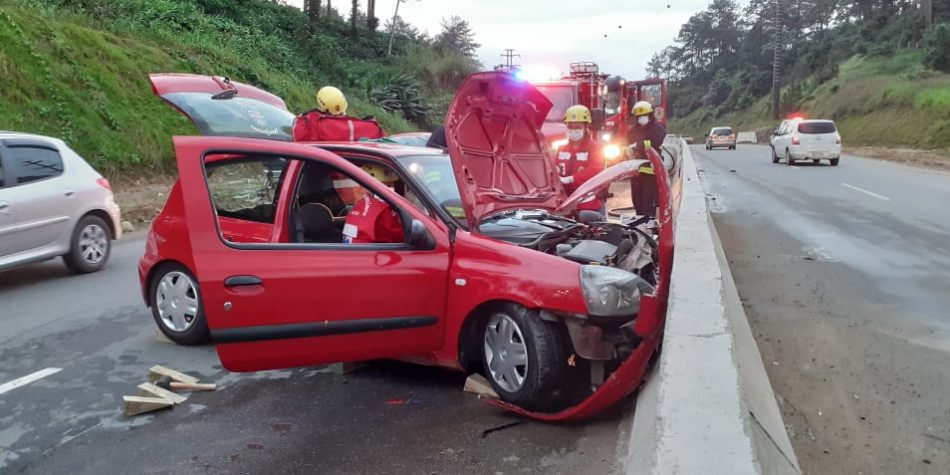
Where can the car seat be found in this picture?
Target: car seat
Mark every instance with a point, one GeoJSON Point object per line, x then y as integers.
{"type": "Point", "coordinates": [316, 224]}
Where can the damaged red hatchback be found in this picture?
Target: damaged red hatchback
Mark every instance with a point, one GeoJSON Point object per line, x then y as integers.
{"type": "Point", "coordinates": [495, 275]}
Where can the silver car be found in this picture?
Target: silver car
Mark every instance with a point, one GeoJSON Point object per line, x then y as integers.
{"type": "Point", "coordinates": [52, 203]}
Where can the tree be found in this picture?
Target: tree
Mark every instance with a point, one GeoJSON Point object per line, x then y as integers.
{"type": "Point", "coordinates": [457, 36]}
{"type": "Point", "coordinates": [354, 13]}
{"type": "Point", "coordinates": [371, 21]}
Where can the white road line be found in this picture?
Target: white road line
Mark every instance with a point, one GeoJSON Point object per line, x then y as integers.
{"type": "Point", "coordinates": [880, 197]}
{"type": "Point", "coordinates": [28, 379]}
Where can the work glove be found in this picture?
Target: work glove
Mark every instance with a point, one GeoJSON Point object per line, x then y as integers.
{"type": "Point", "coordinates": [567, 180]}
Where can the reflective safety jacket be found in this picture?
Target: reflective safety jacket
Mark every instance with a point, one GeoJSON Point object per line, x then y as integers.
{"type": "Point", "coordinates": [372, 220]}
{"type": "Point", "coordinates": [578, 163]}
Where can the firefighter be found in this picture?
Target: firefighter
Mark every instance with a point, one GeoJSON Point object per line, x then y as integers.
{"type": "Point", "coordinates": [645, 133]}
{"type": "Point", "coordinates": [580, 159]}
{"type": "Point", "coordinates": [372, 219]}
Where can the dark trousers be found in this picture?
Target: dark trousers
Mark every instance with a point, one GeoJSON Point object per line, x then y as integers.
{"type": "Point", "coordinates": [644, 194]}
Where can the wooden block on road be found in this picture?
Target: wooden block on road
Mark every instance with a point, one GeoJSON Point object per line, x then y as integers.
{"type": "Point", "coordinates": [156, 372]}
{"type": "Point", "coordinates": [349, 367]}
{"type": "Point", "coordinates": [477, 384]}
{"type": "Point", "coordinates": [149, 389]}
{"type": "Point", "coordinates": [135, 405]}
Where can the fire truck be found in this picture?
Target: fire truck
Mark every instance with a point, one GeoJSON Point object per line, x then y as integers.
{"type": "Point", "coordinates": [609, 98]}
{"type": "Point", "coordinates": [583, 85]}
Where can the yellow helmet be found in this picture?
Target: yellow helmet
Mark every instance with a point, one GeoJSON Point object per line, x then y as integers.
{"type": "Point", "coordinates": [577, 113]}
{"type": "Point", "coordinates": [642, 108]}
{"type": "Point", "coordinates": [380, 173]}
{"type": "Point", "coordinates": [331, 100]}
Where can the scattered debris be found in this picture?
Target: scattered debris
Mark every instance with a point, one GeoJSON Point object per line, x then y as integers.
{"type": "Point", "coordinates": [135, 405]}
{"type": "Point", "coordinates": [808, 258]}
{"type": "Point", "coordinates": [477, 384]}
{"type": "Point", "coordinates": [511, 459]}
{"type": "Point", "coordinates": [927, 461]}
{"type": "Point", "coordinates": [255, 446]}
{"type": "Point", "coordinates": [732, 170]}
{"type": "Point", "coordinates": [156, 372]}
{"type": "Point", "coordinates": [404, 402]}
{"type": "Point", "coordinates": [501, 427]}
{"type": "Point", "coordinates": [350, 367]}
{"type": "Point", "coordinates": [820, 414]}
{"type": "Point", "coordinates": [158, 393]}
{"type": "Point", "coordinates": [166, 383]}
{"type": "Point", "coordinates": [856, 397]}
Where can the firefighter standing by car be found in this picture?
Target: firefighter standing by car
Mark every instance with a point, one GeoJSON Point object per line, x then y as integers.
{"type": "Point", "coordinates": [645, 133]}
{"type": "Point", "coordinates": [580, 159]}
{"type": "Point", "coordinates": [372, 219]}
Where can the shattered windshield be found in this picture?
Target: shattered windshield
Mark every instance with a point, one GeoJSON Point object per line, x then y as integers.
{"type": "Point", "coordinates": [237, 116]}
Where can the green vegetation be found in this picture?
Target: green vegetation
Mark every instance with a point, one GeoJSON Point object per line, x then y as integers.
{"type": "Point", "coordinates": [77, 69]}
{"type": "Point", "coordinates": [874, 66]}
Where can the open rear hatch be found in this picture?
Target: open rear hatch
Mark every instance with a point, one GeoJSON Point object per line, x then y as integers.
{"type": "Point", "coordinates": [220, 106]}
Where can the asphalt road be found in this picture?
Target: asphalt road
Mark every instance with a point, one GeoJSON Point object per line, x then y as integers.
{"type": "Point", "coordinates": [96, 331]}
{"type": "Point", "coordinates": [845, 276]}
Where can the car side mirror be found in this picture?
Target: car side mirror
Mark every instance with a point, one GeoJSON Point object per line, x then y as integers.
{"type": "Point", "coordinates": [420, 239]}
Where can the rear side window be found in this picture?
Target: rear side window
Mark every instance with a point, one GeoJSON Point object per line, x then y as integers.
{"type": "Point", "coordinates": [722, 131]}
{"type": "Point", "coordinates": [817, 128]}
{"type": "Point", "coordinates": [29, 164]}
{"type": "Point", "coordinates": [246, 189]}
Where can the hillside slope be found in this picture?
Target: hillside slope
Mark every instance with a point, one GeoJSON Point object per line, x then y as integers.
{"type": "Point", "coordinates": [64, 74]}
{"type": "Point", "coordinates": [889, 102]}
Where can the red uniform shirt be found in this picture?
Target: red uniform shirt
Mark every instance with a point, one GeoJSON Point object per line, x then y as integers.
{"type": "Point", "coordinates": [578, 163]}
{"type": "Point", "coordinates": [372, 220]}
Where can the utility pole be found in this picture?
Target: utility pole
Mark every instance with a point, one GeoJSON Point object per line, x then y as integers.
{"type": "Point", "coordinates": [509, 57]}
{"type": "Point", "coordinates": [777, 63]}
{"type": "Point", "coordinates": [392, 28]}
{"type": "Point", "coordinates": [928, 7]}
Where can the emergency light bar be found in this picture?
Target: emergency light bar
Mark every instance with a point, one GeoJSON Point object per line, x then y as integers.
{"type": "Point", "coordinates": [586, 68]}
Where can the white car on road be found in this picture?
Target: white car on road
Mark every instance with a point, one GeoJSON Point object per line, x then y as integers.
{"type": "Point", "coordinates": [800, 139]}
{"type": "Point", "coordinates": [53, 203]}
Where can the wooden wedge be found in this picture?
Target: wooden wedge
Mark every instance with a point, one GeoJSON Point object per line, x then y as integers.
{"type": "Point", "coordinates": [477, 384]}
{"type": "Point", "coordinates": [135, 405]}
{"type": "Point", "coordinates": [149, 389]}
{"type": "Point", "coordinates": [157, 371]}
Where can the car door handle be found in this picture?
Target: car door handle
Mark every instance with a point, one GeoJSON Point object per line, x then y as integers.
{"type": "Point", "coordinates": [242, 281]}
{"type": "Point", "coordinates": [4, 208]}
{"type": "Point", "coordinates": [70, 193]}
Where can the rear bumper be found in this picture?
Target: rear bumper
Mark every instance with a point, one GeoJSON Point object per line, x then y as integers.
{"type": "Point", "coordinates": [721, 144]}
{"type": "Point", "coordinates": [116, 214]}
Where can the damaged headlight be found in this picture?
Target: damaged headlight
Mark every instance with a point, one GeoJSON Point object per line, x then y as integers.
{"type": "Point", "coordinates": [611, 292]}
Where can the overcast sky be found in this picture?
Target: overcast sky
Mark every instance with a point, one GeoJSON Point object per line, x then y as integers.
{"type": "Point", "coordinates": [555, 32]}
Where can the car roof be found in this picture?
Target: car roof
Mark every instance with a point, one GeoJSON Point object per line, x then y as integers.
{"type": "Point", "coordinates": [7, 134]}
{"type": "Point", "coordinates": [816, 120]}
{"type": "Point", "coordinates": [722, 127]}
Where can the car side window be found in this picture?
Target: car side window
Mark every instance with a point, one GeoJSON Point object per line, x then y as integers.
{"type": "Point", "coordinates": [246, 189]}
{"type": "Point", "coordinates": [29, 164]}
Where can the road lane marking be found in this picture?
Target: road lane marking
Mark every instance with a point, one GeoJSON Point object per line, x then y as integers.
{"type": "Point", "coordinates": [28, 379]}
{"type": "Point", "coordinates": [880, 197]}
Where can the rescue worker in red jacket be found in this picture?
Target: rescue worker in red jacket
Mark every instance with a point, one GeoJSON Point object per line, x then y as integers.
{"type": "Point", "coordinates": [644, 134]}
{"type": "Point", "coordinates": [372, 219]}
{"type": "Point", "coordinates": [580, 159]}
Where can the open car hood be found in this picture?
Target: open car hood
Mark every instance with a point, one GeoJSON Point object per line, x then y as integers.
{"type": "Point", "coordinates": [493, 132]}
{"type": "Point", "coordinates": [219, 106]}
{"type": "Point", "coordinates": [601, 182]}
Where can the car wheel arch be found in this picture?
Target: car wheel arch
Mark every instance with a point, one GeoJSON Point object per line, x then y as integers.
{"type": "Point", "coordinates": [105, 216]}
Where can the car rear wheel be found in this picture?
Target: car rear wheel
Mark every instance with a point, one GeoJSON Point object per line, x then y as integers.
{"type": "Point", "coordinates": [90, 246]}
{"type": "Point", "coordinates": [525, 358]}
{"type": "Point", "coordinates": [774, 156]}
{"type": "Point", "coordinates": [177, 307]}
{"type": "Point", "coordinates": [834, 162]}
{"type": "Point", "coordinates": [788, 158]}
{"type": "Point", "coordinates": [815, 161]}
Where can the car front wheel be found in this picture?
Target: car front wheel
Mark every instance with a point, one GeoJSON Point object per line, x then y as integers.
{"type": "Point", "coordinates": [90, 246]}
{"type": "Point", "coordinates": [774, 156]}
{"type": "Point", "coordinates": [525, 358]}
{"type": "Point", "coordinates": [177, 307]}
{"type": "Point", "coordinates": [834, 162]}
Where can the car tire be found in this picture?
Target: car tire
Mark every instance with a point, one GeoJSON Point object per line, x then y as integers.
{"type": "Point", "coordinates": [788, 158]}
{"type": "Point", "coordinates": [815, 161]}
{"type": "Point", "coordinates": [774, 156]}
{"type": "Point", "coordinates": [177, 307]}
{"type": "Point", "coordinates": [89, 246]}
{"type": "Point", "coordinates": [834, 162]}
{"type": "Point", "coordinates": [538, 384]}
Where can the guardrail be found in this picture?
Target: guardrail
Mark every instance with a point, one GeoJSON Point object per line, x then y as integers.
{"type": "Point", "coordinates": [707, 406]}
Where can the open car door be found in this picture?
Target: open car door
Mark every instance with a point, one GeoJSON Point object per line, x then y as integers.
{"type": "Point", "coordinates": [281, 305]}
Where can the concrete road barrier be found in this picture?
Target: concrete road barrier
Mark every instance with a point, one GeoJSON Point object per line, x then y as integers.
{"type": "Point", "coordinates": [707, 406]}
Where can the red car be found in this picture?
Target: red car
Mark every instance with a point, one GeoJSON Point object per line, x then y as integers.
{"type": "Point", "coordinates": [495, 275]}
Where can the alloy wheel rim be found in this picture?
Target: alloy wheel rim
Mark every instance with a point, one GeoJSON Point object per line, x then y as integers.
{"type": "Point", "coordinates": [506, 353]}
